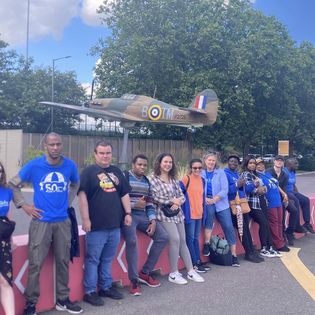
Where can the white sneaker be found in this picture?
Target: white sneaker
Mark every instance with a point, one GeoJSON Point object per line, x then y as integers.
{"type": "Point", "coordinates": [194, 276]}
{"type": "Point", "coordinates": [275, 252]}
{"type": "Point", "coordinates": [266, 253]}
{"type": "Point", "coordinates": [177, 278]}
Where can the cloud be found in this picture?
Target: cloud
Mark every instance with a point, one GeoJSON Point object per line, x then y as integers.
{"type": "Point", "coordinates": [88, 12]}
{"type": "Point", "coordinates": [46, 18]}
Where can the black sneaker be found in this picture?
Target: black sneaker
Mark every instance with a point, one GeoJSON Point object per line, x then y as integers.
{"type": "Point", "coordinates": [300, 229]}
{"type": "Point", "coordinates": [93, 299]}
{"type": "Point", "coordinates": [67, 305]}
{"type": "Point", "coordinates": [235, 262]}
{"type": "Point", "coordinates": [283, 249]}
{"type": "Point", "coordinates": [252, 257]}
{"type": "Point", "coordinates": [30, 309]}
{"type": "Point", "coordinates": [111, 293]}
{"type": "Point", "coordinates": [206, 249]}
{"type": "Point", "coordinates": [290, 238]}
{"type": "Point", "coordinates": [309, 227]}
{"type": "Point", "coordinates": [206, 265]}
{"type": "Point", "coordinates": [200, 269]}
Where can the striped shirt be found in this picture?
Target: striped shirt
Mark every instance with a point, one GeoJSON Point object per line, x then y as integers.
{"type": "Point", "coordinates": [163, 193]}
{"type": "Point", "coordinates": [140, 188]}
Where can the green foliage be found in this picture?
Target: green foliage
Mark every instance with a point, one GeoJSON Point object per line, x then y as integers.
{"type": "Point", "coordinates": [22, 88]}
{"type": "Point", "coordinates": [307, 164]}
{"type": "Point", "coordinates": [33, 153]}
{"type": "Point", "coordinates": [90, 159]}
{"type": "Point", "coordinates": [176, 48]}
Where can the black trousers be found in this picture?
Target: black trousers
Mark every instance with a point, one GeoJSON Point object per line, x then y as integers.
{"type": "Point", "coordinates": [293, 218]}
{"type": "Point", "coordinates": [247, 238]}
{"type": "Point", "coordinates": [301, 201]}
{"type": "Point", "coordinates": [261, 218]}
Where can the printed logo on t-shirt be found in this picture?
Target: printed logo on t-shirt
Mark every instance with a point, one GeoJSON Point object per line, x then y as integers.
{"type": "Point", "coordinates": [106, 184]}
{"type": "Point", "coordinates": [273, 183]}
{"type": "Point", "coordinates": [4, 203]}
{"type": "Point", "coordinates": [54, 182]}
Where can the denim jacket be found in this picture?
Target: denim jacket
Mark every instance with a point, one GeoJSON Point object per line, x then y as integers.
{"type": "Point", "coordinates": [220, 187]}
{"type": "Point", "coordinates": [186, 205]}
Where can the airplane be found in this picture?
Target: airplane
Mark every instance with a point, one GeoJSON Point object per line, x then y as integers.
{"type": "Point", "coordinates": [131, 109]}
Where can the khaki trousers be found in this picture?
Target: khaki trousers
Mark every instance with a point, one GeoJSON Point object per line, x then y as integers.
{"type": "Point", "coordinates": [41, 236]}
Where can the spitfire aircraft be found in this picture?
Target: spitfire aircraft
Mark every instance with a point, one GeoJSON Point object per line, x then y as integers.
{"type": "Point", "coordinates": [131, 109]}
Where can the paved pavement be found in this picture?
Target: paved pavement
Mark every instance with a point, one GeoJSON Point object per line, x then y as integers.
{"type": "Point", "coordinates": [265, 288]}
{"type": "Point", "coordinates": [252, 289]}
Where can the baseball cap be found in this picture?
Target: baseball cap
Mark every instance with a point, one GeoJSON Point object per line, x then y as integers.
{"type": "Point", "coordinates": [279, 157]}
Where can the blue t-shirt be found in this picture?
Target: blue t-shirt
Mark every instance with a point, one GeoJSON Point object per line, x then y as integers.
{"type": "Point", "coordinates": [291, 180]}
{"type": "Point", "coordinates": [232, 177]}
{"type": "Point", "coordinates": [51, 184]}
{"type": "Point", "coordinates": [209, 176]}
{"type": "Point", "coordinates": [5, 198]}
{"type": "Point", "coordinates": [273, 192]}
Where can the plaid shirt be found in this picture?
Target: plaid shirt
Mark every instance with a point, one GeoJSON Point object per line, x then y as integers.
{"type": "Point", "coordinates": [250, 189]}
{"type": "Point", "coordinates": [163, 193]}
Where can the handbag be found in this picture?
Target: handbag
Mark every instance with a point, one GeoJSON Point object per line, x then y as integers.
{"type": "Point", "coordinates": [6, 228]}
{"type": "Point", "coordinates": [220, 253]}
{"type": "Point", "coordinates": [242, 202]}
{"type": "Point", "coordinates": [168, 212]}
{"type": "Point", "coordinates": [166, 209]}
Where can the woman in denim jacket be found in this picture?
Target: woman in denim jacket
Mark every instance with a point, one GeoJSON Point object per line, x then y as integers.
{"type": "Point", "coordinates": [216, 190]}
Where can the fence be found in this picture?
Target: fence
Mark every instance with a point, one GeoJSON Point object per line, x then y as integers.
{"type": "Point", "coordinates": [80, 148]}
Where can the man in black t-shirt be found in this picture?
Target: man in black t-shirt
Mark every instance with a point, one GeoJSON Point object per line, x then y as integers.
{"type": "Point", "coordinates": [104, 203]}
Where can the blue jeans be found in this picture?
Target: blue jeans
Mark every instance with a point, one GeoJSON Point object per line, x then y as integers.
{"type": "Point", "coordinates": [193, 229]}
{"type": "Point", "coordinates": [100, 251]}
{"type": "Point", "coordinates": [225, 220]}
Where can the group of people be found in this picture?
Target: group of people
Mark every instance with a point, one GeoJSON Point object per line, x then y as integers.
{"type": "Point", "coordinates": [168, 209]}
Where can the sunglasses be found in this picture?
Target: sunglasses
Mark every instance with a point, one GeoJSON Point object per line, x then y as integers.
{"type": "Point", "coordinates": [197, 168]}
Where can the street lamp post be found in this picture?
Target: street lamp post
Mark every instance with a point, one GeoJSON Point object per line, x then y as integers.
{"type": "Point", "coordinates": [53, 90]}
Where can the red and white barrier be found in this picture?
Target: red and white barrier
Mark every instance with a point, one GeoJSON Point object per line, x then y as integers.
{"type": "Point", "coordinates": [47, 285]}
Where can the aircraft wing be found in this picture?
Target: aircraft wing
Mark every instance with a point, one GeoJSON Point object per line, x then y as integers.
{"type": "Point", "coordinates": [94, 112]}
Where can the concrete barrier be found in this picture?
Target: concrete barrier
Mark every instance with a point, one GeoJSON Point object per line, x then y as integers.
{"type": "Point", "coordinates": [47, 283]}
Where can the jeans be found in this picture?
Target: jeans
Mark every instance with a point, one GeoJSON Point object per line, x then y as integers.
{"type": "Point", "coordinates": [141, 222]}
{"type": "Point", "coordinates": [225, 220]}
{"type": "Point", "coordinates": [100, 251]}
{"type": "Point", "coordinates": [193, 229]}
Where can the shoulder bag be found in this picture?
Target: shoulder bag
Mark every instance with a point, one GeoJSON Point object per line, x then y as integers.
{"type": "Point", "coordinates": [242, 202]}
{"type": "Point", "coordinates": [166, 209]}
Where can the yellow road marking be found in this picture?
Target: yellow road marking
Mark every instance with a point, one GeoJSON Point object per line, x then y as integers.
{"type": "Point", "coordinates": [299, 271]}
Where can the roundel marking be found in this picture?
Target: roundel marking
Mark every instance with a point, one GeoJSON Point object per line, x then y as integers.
{"type": "Point", "coordinates": [155, 112]}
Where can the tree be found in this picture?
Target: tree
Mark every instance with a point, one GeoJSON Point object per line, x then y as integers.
{"type": "Point", "coordinates": [176, 48]}
{"type": "Point", "coordinates": [23, 88]}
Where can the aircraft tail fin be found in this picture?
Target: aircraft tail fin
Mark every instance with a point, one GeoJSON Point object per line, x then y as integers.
{"type": "Point", "coordinates": [205, 103]}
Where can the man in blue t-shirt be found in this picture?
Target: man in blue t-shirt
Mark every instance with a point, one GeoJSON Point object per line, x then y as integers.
{"type": "Point", "coordinates": [51, 176]}
{"type": "Point", "coordinates": [299, 199]}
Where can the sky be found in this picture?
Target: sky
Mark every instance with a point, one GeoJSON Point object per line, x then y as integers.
{"type": "Point", "coordinates": [57, 30]}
